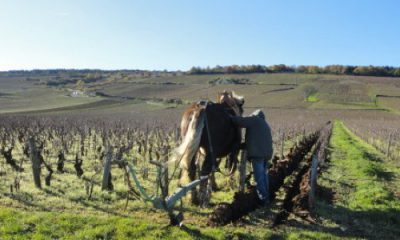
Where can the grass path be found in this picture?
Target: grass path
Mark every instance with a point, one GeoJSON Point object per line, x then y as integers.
{"type": "Point", "coordinates": [364, 182]}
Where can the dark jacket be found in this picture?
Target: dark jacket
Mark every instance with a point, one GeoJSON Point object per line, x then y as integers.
{"type": "Point", "coordinates": [258, 136]}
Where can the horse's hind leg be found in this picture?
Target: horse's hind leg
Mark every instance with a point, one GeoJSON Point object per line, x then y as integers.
{"type": "Point", "coordinates": [188, 175]}
{"type": "Point", "coordinates": [205, 186]}
{"type": "Point", "coordinates": [193, 195]}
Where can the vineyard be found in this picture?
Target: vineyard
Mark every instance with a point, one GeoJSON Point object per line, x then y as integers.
{"type": "Point", "coordinates": [68, 149]}
{"type": "Point", "coordinates": [81, 164]}
{"type": "Point", "coordinates": [383, 134]}
{"type": "Point", "coordinates": [102, 169]}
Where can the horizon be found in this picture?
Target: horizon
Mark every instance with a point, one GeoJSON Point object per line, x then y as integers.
{"type": "Point", "coordinates": [176, 36]}
{"type": "Point", "coordinates": [180, 70]}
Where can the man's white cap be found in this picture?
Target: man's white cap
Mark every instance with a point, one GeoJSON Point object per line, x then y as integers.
{"type": "Point", "coordinates": [258, 113]}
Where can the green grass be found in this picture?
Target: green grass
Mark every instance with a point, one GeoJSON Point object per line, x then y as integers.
{"type": "Point", "coordinates": [41, 225]}
{"type": "Point", "coordinates": [312, 98]}
{"type": "Point", "coordinates": [63, 210]}
{"type": "Point", "coordinates": [364, 182]}
{"type": "Point", "coordinates": [20, 224]}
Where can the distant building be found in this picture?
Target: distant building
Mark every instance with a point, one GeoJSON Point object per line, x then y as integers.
{"type": "Point", "coordinates": [76, 93]}
{"type": "Point", "coordinates": [79, 93]}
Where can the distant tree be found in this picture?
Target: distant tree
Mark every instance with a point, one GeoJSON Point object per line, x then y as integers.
{"type": "Point", "coordinates": [309, 90]}
{"type": "Point", "coordinates": [195, 70]}
{"type": "Point", "coordinates": [396, 72]}
{"type": "Point", "coordinates": [314, 69]}
{"type": "Point", "coordinates": [334, 69]}
{"type": "Point", "coordinates": [310, 69]}
{"type": "Point", "coordinates": [348, 69]}
{"type": "Point", "coordinates": [301, 69]}
{"type": "Point", "coordinates": [280, 68]}
{"type": "Point", "coordinates": [80, 85]}
{"type": "Point", "coordinates": [361, 70]}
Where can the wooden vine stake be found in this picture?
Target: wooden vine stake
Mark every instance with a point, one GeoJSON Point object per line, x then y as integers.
{"type": "Point", "coordinates": [389, 144]}
{"type": "Point", "coordinates": [106, 184]}
{"type": "Point", "coordinates": [313, 182]}
{"type": "Point", "coordinates": [164, 181]}
{"type": "Point", "coordinates": [242, 170]}
{"type": "Point", "coordinates": [35, 162]}
{"type": "Point", "coordinates": [282, 144]}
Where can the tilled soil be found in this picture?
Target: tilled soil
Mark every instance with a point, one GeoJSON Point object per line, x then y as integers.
{"type": "Point", "coordinates": [244, 203]}
{"type": "Point", "coordinates": [297, 195]}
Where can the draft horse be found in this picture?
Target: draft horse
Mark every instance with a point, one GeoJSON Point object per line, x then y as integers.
{"type": "Point", "coordinates": [206, 129]}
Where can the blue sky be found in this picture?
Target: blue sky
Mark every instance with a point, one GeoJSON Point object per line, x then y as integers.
{"type": "Point", "coordinates": [179, 34]}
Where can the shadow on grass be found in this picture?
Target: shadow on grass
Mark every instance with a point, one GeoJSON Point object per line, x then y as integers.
{"type": "Point", "coordinates": [342, 222]}
{"type": "Point", "coordinates": [52, 193]}
{"type": "Point", "coordinates": [369, 224]}
{"type": "Point", "coordinates": [84, 203]}
{"type": "Point", "coordinates": [276, 237]}
{"type": "Point", "coordinates": [193, 211]}
{"type": "Point", "coordinates": [372, 157]}
{"type": "Point", "coordinates": [27, 200]}
{"type": "Point", "coordinates": [379, 172]}
{"type": "Point", "coordinates": [195, 233]}
{"type": "Point", "coordinates": [373, 224]}
{"type": "Point", "coordinates": [326, 194]}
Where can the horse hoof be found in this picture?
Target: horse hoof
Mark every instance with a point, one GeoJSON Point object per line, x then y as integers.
{"type": "Point", "coordinates": [208, 205]}
{"type": "Point", "coordinates": [195, 201]}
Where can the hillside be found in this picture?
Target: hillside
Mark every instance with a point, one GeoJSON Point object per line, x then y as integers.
{"type": "Point", "coordinates": [131, 91]}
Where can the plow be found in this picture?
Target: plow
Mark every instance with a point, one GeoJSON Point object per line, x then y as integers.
{"type": "Point", "coordinates": [165, 202]}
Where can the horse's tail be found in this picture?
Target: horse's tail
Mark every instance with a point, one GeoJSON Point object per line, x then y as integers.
{"type": "Point", "coordinates": [185, 152]}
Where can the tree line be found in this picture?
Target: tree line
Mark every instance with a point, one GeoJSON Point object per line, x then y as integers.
{"type": "Point", "coordinates": [384, 71]}
{"type": "Point", "coordinates": [95, 74]}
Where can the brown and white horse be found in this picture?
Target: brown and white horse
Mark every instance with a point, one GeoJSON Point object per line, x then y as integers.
{"type": "Point", "coordinates": [207, 127]}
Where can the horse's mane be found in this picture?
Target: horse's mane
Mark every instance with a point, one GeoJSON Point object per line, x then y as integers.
{"type": "Point", "coordinates": [233, 100]}
{"type": "Point", "coordinates": [238, 98]}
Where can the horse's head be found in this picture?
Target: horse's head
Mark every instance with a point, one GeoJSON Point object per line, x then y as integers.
{"type": "Point", "coordinates": [233, 100]}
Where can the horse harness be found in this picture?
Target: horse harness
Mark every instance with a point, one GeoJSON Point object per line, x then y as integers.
{"type": "Point", "coordinates": [204, 104]}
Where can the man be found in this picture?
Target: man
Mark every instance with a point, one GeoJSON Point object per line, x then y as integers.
{"type": "Point", "coordinates": [259, 149]}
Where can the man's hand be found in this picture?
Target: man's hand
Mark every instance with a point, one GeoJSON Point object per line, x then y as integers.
{"type": "Point", "coordinates": [231, 118]}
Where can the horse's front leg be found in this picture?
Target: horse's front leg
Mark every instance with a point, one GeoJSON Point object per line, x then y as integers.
{"type": "Point", "coordinates": [213, 182]}
{"type": "Point", "coordinates": [232, 161]}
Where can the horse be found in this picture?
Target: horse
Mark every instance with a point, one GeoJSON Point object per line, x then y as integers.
{"type": "Point", "coordinates": [206, 128]}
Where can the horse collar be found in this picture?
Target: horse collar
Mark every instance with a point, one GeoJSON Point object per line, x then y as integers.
{"type": "Point", "coordinates": [204, 103]}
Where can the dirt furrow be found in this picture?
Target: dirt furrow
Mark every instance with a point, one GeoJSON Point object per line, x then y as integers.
{"type": "Point", "coordinates": [296, 198]}
{"type": "Point", "coordinates": [246, 202]}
